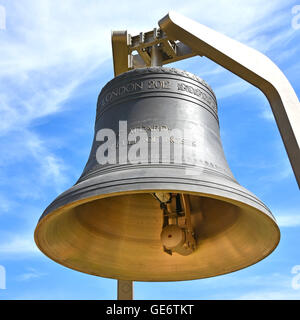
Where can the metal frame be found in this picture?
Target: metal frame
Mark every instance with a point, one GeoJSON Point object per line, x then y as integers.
{"type": "Point", "coordinates": [145, 45]}
{"type": "Point", "coordinates": [180, 38]}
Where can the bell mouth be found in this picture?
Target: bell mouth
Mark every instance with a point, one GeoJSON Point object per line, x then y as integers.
{"type": "Point", "coordinates": [118, 236]}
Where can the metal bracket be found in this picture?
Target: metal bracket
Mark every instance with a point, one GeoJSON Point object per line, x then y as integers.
{"type": "Point", "coordinates": [138, 51]}
{"type": "Point", "coordinates": [180, 38]}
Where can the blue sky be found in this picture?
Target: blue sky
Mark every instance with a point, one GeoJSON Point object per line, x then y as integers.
{"type": "Point", "coordinates": [55, 56]}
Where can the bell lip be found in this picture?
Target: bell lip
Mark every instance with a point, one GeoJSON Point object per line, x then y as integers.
{"type": "Point", "coordinates": [209, 185]}
{"type": "Point", "coordinates": [70, 205]}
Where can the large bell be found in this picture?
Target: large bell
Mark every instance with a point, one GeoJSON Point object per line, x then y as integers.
{"type": "Point", "coordinates": [160, 216]}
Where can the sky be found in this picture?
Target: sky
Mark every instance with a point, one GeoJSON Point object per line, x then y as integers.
{"type": "Point", "coordinates": [55, 56]}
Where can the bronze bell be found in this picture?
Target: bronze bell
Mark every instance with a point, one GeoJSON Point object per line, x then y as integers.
{"type": "Point", "coordinates": [160, 217]}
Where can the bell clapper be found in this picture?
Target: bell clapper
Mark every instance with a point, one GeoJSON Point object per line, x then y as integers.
{"type": "Point", "coordinates": [177, 232]}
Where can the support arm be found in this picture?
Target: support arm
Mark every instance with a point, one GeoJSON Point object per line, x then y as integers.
{"type": "Point", "coordinates": [180, 38]}
{"type": "Point", "coordinates": [250, 65]}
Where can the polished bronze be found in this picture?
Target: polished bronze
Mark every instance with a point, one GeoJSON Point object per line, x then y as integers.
{"type": "Point", "coordinates": [158, 220]}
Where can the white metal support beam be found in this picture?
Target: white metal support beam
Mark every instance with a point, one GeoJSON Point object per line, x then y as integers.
{"type": "Point", "coordinates": [188, 38]}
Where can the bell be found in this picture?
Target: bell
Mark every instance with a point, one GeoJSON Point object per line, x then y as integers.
{"type": "Point", "coordinates": [156, 200]}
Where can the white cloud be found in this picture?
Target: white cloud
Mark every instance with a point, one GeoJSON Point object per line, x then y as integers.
{"type": "Point", "coordinates": [238, 285]}
{"type": "Point", "coordinates": [270, 286]}
{"type": "Point", "coordinates": [26, 148]}
{"type": "Point", "coordinates": [267, 114]}
{"type": "Point", "coordinates": [30, 274]}
{"type": "Point", "coordinates": [5, 204]}
{"type": "Point", "coordinates": [51, 168]}
{"type": "Point", "coordinates": [51, 47]}
{"type": "Point", "coordinates": [271, 295]}
{"type": "Point", "coordinates": [277, 170]}
{"type": "Point", "coordinates": [49, 55]}
{"type": "Point", "coordinates": [288, 220]}
{"type": "Point", "coordinates": [230, 89]}
{"type": "Point", "coordinates": [17, 246]}
{"type": "Point", "coordinates": [265, 44]}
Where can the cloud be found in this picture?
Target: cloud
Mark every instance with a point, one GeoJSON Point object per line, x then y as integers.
{"type": "Point", "coordinates": [43, 60]}
{"type": "Point", "coordinates": [17, 245]}
{"type": "Point", "coordinates": [17, 113]}
{"type": "Point", "coordinates": [267, 114]}
{"type": "Point", "coordinates": [232, 88]}
{"type": "Point", "coordinates": [49, 56]}
{"type": "Point", "coordinates": [27, 149]}
{"type": "Point", "coordinates": [51, 167]}
{"type": "Point", "coordinates": [51, 48]}
{"type": "Point", "coordinates": [259, 287]}
{"type": "Point", "coordinates": [5, 204]}
{"type": "Point", "coordinates": [288, 220]}
{"type": "Point", "coordinates": [30, 274]}
{"type": "Point", "coordinates": [271, 295]}
{"type": "Point", "coordinates": [239, 285]}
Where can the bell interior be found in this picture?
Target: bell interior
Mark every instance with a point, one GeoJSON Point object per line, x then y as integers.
{"type": "Point", "coordinates": [119, 237]}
